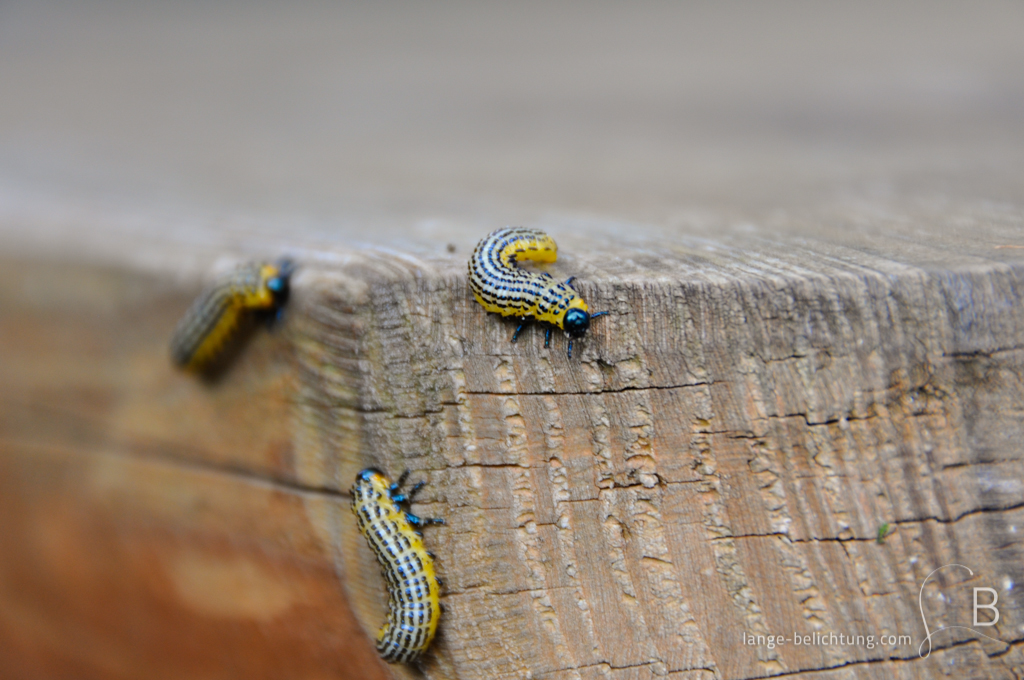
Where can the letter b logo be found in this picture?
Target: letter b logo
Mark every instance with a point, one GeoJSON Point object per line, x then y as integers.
{"type": "Point", "coordinates": [991, 605]}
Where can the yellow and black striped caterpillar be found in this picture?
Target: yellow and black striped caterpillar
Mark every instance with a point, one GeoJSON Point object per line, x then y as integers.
{"type": "Point", "coordinates": [217, 314]}
{"type": "Point", "coordinates": [413, 585]}
{"type": "Point", "coordinates": [502, 287]}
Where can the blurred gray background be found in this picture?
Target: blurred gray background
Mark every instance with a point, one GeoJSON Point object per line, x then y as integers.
{"type": "Point", "coordinates": [354, 115]}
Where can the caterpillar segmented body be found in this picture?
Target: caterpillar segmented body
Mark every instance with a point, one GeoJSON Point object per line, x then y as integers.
{"type": "Point", "coordinates": [413, 586]}
{"type": "Point", "coordinates": [501, 286]}
{"type": "Point", "coordinates": [217, 314]}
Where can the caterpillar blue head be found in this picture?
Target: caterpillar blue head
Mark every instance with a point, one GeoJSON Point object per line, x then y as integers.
{"type": "Point", "coordinates": [279, 284]}
{"type": "Point", "coordinates": [368, 473]}
{"type": "Point", "coordinates": [576, 323]}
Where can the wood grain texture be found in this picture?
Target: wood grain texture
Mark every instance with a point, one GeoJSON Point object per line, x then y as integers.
{"type": "Point", "coordinates": [717, 462]}
{"type": "Point", "coordinates": [804, 218]}
{"type": "Point", "coordinates": [714, 463]}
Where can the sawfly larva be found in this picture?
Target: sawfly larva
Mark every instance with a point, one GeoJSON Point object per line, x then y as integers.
{"type": "Point", "coordinates": [220, 310]}
{"type": "Point", "coordinates": [413, 586]}
{"type": "Point", "coordinates": [501, 286]}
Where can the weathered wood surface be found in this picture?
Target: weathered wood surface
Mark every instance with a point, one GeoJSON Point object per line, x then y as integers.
{"type": "Point", "coordinates": [152, 526]}
{"type": "Point", "coordinates": [805, 219]}
{"type": "Point", "coordinates": [714, 462]}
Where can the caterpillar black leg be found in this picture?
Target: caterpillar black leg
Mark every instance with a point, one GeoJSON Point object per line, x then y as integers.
{"type": "Point", "coordinates": [415, 489]}
{"type": "Point", "coordinates": [519, 329]}
{"type": "Point", "coordinates": [407, 496]}
{"type": "Point", "coordinates": [547, 338]}
{"type": "Point", "coordinates": [418, 521]}
{"type": "Point", "coordinates": [393, 489]}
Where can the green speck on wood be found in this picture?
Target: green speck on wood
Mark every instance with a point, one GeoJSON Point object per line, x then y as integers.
{"type": "Point", "coordinates": [883, 531]}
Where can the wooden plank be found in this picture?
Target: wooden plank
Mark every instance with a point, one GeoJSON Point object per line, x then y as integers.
{"type": "Point", "coordinates": [153, 525]}
{"type": "Point", "coordinates": [117, 567]}
{"type": "Point", "coordinates": [713, 464]}
{"type": "Point", "coordinates": [805, 221]}
{"type": "Point", "coordinates": [716, 462]}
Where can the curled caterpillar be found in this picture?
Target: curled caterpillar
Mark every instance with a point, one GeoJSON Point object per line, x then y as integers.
{"type": "Point", "coordinates": [502, 287]}
{"type": "Point", "coordinates": [219, 311]}
{"type": "Point", "coordinates": [413, 586]}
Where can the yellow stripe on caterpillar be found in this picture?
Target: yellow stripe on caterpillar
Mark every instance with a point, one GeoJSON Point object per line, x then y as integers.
{"type": "Point", "coordinates": [414, 589]}
{"type": "Point", "coordinates": [500, 286]}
